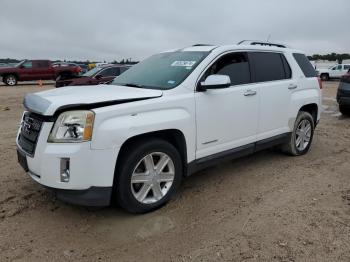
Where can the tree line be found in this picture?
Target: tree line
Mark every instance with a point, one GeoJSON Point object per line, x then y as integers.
{"type": "Point", "coordinates": [330, 57]}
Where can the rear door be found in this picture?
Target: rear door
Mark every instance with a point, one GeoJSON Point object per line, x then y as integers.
{"type": "Point", "coordinates": [44, 70]}
{"type": "Point", "coordinates": [346, 69]}
{"type": "Point", "coordinates": [272, 78]}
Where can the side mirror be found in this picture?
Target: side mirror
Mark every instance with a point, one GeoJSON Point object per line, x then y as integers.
{"type": "Point", "coordinates": [215, 82]}
{"type": "Point", "coordinates": [98, 77]}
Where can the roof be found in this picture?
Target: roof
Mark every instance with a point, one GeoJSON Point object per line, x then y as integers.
{"type": "Point", "coordinates": [223, 48]}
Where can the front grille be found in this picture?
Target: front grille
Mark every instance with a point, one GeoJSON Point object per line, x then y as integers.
{"type": "Point", "coordinates": [30, 130]}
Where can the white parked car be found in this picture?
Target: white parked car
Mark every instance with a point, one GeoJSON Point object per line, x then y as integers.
{"type": "Point", "coordinates": [336, 71]}
{"type": "Point", "coordinates": [165, 118]}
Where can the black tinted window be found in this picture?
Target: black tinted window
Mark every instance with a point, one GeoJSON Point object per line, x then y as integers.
{"type": "Point", "coordinates": [268, 66]}
{"type": "Point", "coordinates": [112, 71]}
{"type": "Point", "coordinates": [234, 65]}
{"type": "Point", "coordinates": [305, 65]}
{"type": "Point", "coordinates": [123, 69]}
{"type": "Point", "coordinates": [42, 64]}
{"type": "Point", "coordinates": [287, 70]}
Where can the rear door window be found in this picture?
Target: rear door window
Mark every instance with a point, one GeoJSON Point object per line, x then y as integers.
{"type": "Point", "coordinates": [42, 64]}
{"type": "Point", "coordinates": [305, 65]}
{"type": "Point", "coordinates": [287, 69]}
{"type": "Point", "coordinates": [269, 66]}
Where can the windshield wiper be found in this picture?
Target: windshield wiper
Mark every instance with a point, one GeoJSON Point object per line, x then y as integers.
{"type": "Point", "coordinates": [133, 85]}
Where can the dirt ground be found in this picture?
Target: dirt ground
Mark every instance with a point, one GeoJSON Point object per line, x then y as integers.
{"type": "Point", "coordinates": [265, 207]}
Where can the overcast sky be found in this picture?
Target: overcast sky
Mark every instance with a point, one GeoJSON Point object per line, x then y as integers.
{"type": "Point", "coordinates": [112, 29]}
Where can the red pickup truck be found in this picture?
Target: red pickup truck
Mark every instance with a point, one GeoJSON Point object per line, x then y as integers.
{"type": "Point", "coordinates": [29, 70]}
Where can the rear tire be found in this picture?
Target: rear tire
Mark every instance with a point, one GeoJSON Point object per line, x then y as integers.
{"type": "Point", "coordinates": [301, 138]}
{"type": "Point", "coordinates": [344, 110]}
{"type": "Point", "coordinates": [324, 77]}
{"type": "Point", "coordinates": [10, 80]}
{"type": "Point", "coordinates": [142, 183]}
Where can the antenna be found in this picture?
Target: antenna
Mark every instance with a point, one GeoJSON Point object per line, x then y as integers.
{"type": "Point", "coordinates": [268, 38]}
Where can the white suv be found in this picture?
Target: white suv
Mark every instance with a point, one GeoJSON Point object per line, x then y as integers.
{"type": "Point", "coordinates": [172, 114]}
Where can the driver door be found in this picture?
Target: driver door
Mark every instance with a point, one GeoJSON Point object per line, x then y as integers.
{"type": "Point", "coordinates": [227, 118]}
{"type": "Point", "coordinates": [338, 71]}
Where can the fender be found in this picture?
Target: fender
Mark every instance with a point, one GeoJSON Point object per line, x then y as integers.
{"type": "Point", "coordinates": [112, 130]}
{"type": "Point", "coordinates": [301, 98]}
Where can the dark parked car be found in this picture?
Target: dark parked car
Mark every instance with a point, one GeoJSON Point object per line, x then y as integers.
{"type": "Point", "coordinates": [29, 70]}
{"type": "Point", "coordinates": [97, 75]}
{"type": "Point", "coordinates": [343, 95]}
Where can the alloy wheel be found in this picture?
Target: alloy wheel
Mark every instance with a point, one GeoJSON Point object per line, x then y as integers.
{"type": "Point", "coordinates": [11, 80]}
{"type": "Point", "coordinates": [303, 135]}
{"type": "Point", "coordinates": [152, 177]}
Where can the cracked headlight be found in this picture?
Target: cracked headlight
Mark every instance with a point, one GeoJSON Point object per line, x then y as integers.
{"type": "Point", "coordinates": [72, 126]}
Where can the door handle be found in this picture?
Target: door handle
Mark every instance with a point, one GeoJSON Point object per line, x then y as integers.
{"type": "Point", "coordinates": [250, 92]}
{"type": "Point", "coordinates": [292, 86]}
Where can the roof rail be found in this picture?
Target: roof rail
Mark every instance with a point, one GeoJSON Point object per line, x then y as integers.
{"type": "Point", "coordinates": [262, 43]}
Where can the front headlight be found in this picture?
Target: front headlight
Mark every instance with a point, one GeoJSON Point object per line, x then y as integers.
{"type": "Point", "coordinates": [73, 126]}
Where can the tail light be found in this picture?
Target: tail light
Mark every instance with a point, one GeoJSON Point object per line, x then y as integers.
{"type": "Point", "coordinates": [319, 82]}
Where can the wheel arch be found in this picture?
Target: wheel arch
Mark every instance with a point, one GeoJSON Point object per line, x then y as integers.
{"type": "Point", "coordinates": [311, 108]}
{"type": "Point", "coordinates": [173, 136]}
{"type": "Point", "coordinates": [10, 73]}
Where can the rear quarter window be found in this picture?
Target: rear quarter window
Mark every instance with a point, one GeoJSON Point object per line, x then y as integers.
{"type": "Point", "coordinates": [305, 65]}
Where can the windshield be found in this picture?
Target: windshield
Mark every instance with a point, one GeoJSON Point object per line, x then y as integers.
{"type": "Point", "coordinates": [161, 71]}
{"type": "Point", "coordinates": [92, 71]}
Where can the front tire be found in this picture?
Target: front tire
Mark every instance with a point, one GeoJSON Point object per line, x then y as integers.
{"type": "Point", "coordinates": [10, 80]}
{"type": "Point", "coordinates": [147, 176]}
{"type": "Point", "coordinates": [301, 138]}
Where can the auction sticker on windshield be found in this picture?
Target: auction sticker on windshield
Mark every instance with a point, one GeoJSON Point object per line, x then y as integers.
{"type": "Point", "coordinates": [183, 63]}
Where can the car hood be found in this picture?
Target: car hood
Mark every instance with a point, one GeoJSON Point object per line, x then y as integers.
{"type": "Point", "coordinates": [51, 101]}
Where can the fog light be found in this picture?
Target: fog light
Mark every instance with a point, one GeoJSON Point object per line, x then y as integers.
{"type": "Point", "coordinates": [64, 170]}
